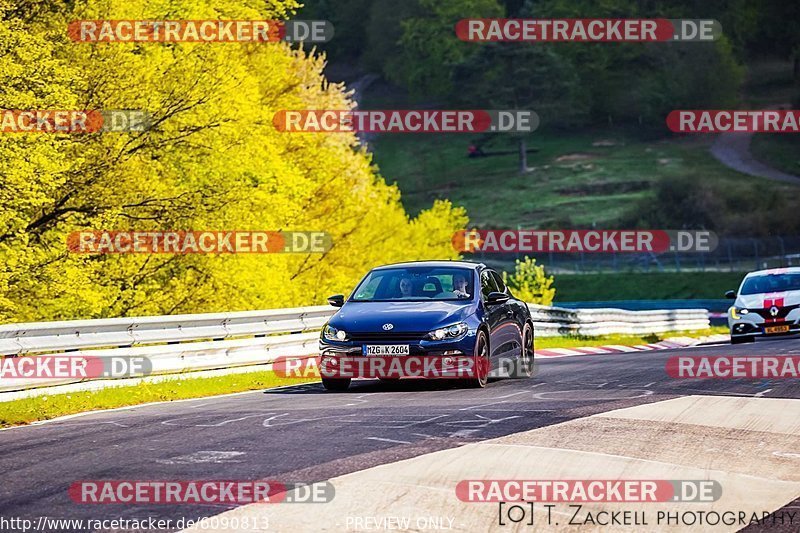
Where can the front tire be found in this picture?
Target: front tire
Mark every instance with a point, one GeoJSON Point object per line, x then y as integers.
{"type": "Point", "coordinates": [336, 384]}
{"type": "Point", "coordinates": [481, 365]}
{"type": "Point", "coordinates": [742, 339]}
{"type": "Point", "coordinates": [524, 366]}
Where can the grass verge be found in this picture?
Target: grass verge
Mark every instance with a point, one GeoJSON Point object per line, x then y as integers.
{"type": "Point", "coordinates": [29, 410]}
{"type": "Point", "coordinates": [624, 340]}
{"type": "Point", "coordinates": [645, 286]}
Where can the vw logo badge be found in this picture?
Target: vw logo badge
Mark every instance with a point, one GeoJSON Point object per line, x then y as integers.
{"type": "Point", "coordinates": [387, 327]}
{"type": "Point", "coordinates": [773, 311]}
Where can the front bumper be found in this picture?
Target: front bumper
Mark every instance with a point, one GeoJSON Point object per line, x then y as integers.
{"type": "Point", "coordinates": [464, 345]}
{"type": "Point", "coordinates": [448, 359]}
{"type": "Point", "coordinates": [749, 329]}
{"type": "Point", "coordinates": [753, 324]}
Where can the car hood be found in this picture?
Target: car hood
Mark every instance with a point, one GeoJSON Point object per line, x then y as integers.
{"type": "Point", "coordinates": [764, 300]}
{"type": "Point", "coordinates": [370, 317]}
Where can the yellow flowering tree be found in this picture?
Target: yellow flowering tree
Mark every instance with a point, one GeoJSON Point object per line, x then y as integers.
{"type": "Point", "coordinates": [212, 161]}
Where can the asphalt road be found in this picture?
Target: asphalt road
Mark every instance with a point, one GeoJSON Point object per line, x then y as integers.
{"type": "Point", "coordinates": [302, 433]}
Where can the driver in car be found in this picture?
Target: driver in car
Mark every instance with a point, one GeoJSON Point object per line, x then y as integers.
{"type": "Point", "coordinates": [406, 288]}
{"type": "Point", "coordinates": [460, 286]}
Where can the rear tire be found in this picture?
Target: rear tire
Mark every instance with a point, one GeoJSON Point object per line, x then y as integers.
{"type": "Point", "coordinates": [742, 339]}
{"type": "Point", "coordinates": [481, 366]}
{"type": "Point", "coordinates": [338, 384]}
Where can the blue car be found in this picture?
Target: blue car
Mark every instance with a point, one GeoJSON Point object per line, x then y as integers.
{"type": "Point", "coordinates": [432, 309]}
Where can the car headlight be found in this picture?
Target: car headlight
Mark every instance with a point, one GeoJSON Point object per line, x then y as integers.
{"type": "Point", "coordinates": [737, 311]}
{"type": "Point", "coordinates": [450, 332]}
{"type": "Point", "coordinates": [332, 334]}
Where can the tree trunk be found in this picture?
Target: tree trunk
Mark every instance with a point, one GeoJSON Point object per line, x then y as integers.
{"type": "Point", "coordinates": [523, 156]}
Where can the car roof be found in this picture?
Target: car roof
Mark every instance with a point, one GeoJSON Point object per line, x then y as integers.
{"type": "Point", "coordinates": [434, 264]}
{"type": "Point", "coordinates": [785, 270]}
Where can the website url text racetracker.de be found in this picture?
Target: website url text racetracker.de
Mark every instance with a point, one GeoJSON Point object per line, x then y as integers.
{"type": "Point", "coordinates": [589, 241]}
{"type": "Point", "coordinates": [587, 30]}
{"type": "Point", "coordinates": [197, 31]}
{"type": "Point", "coordinates": [198, 492]}
{"type": "Point", "coordinates": [49, 525]}
{"type": "Point", "coordinates": [73, 367]}
{"type": "Point", "coordinates": [405, 121]}
{"type": "Point", "coordinates": [587, 490]}
{"type": "Point", "coordinates": [73, 120]}
{"type": "Point", "coordinates": [198, 242]}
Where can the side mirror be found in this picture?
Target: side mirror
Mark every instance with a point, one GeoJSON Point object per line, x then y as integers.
{"type": "Point", "coordinates": [495, 298]}
{"type": "Point", "coordinates": [337, 300]}
{"type": "Point", "coordinates": [731, 295]}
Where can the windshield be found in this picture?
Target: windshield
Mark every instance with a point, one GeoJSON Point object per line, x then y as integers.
{"type": "Point", "coordinates": [771, 283]}
{"type": "Point", "coordinates": [415, 284]}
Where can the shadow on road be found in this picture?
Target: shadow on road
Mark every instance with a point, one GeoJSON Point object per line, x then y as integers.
{"type": "Point", "coordinates": [374, 385]}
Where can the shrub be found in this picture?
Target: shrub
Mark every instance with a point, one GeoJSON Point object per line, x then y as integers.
{"type": "Point", "coordinates": [530, 283]}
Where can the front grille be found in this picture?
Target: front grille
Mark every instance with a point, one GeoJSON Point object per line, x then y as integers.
{"type": "Point", "coordinates": [386, 336]}
{"type": "Point", "coordinates": [781, 316]}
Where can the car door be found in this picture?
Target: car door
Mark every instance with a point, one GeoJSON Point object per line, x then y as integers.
{"type": "Point", "coordinates": [511, 321]}
{"type": "Point", "coordinates": [494, 313]}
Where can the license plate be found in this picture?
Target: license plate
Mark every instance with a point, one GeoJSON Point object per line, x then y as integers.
{"type": "Point", "coordinates": [776, 329]}
{"type": "Point", "coordinates": [385, 349]}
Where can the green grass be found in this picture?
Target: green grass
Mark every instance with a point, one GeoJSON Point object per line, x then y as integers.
{"type": "Point", "coordinates": [645, 286]}
{"type": "Point", "coordinates": [769, 83]}
{"type": "Point", "coordinates": [28, 410]}
{"type": "Point", "coordinates": [779, 150]}
{"type": "Point", "coordinates": [596, 190]}
{"type": "Point", "coordinates": [623, 340]}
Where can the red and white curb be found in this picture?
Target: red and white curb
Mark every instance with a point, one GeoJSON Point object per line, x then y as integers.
{"type": "Point", "coordinates": [666, 344]}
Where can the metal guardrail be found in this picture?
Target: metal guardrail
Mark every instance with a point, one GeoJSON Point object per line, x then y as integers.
{"type": "Point", "coordinates": [555, 321]}
{"type": "Point", "coordinates": [187, 343]}
{"type": "Point", "coordinates": [19, 339]}
{"type": "Point", "coordinates": [719, 304]}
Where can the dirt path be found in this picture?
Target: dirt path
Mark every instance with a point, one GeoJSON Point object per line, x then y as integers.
{"type": "Point", "coordinates": [358, 87]}
{"type": "Point", "coordinates": [733, 151]}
